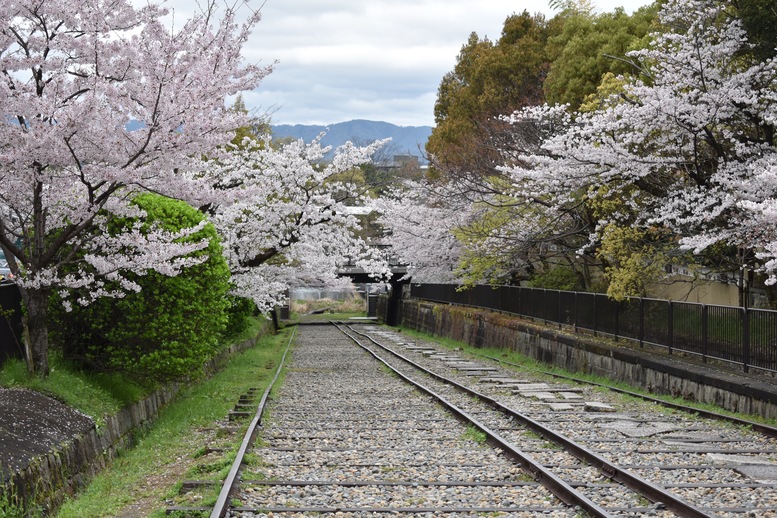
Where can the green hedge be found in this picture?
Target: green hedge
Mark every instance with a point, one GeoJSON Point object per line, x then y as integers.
{"type": "Point", "coordinates": [172, 326]}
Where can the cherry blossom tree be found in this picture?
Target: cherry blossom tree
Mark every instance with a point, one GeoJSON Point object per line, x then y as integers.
{"type": "Point", "coordinates": [287, 219]}
{"type": "Point", "coordinates": [470, 230]}
{"type": "Point", "coordinates": [757, 200]}
{"type": "Point", "coordinates": [100, 101]}
{"type": "Point", "coordinates": [683, 146]}
{"type": "Point", "coordinates": [420, 220]}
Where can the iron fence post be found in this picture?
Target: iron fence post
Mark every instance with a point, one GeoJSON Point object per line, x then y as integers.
{"type": "Point", "coordinates": [671, 327]}
{"type": "Point", "coordinates": [704, 332]}
{"type": "Point", "coordinates": [576, 310]}
{"type": "Point", "coordinates": [746, 339]}
{"type": "Point", "coordinates": [641, 322]}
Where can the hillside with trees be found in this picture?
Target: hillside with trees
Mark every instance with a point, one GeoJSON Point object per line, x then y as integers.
{"type": "Point", "coordinates": [405, 140]}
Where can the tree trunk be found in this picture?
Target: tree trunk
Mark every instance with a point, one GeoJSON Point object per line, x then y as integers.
{"type": "Point", "coordinates": [36, 330]}
{"type": "Point", "coordinates": [275, 325]}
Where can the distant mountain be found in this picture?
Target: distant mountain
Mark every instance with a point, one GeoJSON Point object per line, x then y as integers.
{"type": "Point", "coordinates": [405, 140]}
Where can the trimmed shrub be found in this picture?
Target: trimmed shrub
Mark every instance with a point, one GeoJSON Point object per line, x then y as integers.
{"type": "Point", "coordinates": [171, 327]}
{"type": "Point", "coordinates": [239, 316]}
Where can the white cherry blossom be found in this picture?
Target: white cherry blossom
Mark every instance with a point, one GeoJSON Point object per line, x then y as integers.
{"type": "Point", "coordinates": [684, 145]}
{"type": "Point", "coordinates": [284, 219]}
{"type": "Point", "coordinates": [100, 101]}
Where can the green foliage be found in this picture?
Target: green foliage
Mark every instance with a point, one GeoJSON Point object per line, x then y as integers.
{"type": "Point", "coordinates": [479, 262]}
{"type": "Point", "coordinates": [239, 315]}
{"type": "Point", "coordinates": [11, 504]}
{"type": "Point", "coordinates": [559, 61]}
{"type": "Point", "coordinates": [259, 126]}
{"type": "Point", "coordinates": [759, 19]}
{"type": "Point", "coordinates": [573, 6]}
{"type": "Point", "coordinates": [489, 79]}
{"type": "Point", "coordinates": [589, 46]}
{"type": "Point", "coordinates": [607, 94]}
{"type": "Point", "coordinates": [506, 241]}
{"type": "Point", "coordinates": [475, 434]}
{"type": "Point", "coordinates": [559, 277]}
{"type": "Point", "coordinates": [635, 258]}
{"type": "Point", "coordinates": [169, 329]}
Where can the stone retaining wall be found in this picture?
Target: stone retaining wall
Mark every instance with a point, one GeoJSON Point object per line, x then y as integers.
{"type": "Point", "coordinates": [657, 372]}
{"type": "Point", "coordinates": [49, 478]}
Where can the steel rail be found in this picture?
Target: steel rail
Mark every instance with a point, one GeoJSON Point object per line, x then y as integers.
{"type": "Point", "coordinates": [394, 511]}
{"type": "Point", "coordinates": [765, 429]}
{"type": "Point", "coordinates": [644, 487]}
{"type": "Point", "coordinates": [564, 491]}
{"type": "Point", "coordinates": [222, 502]}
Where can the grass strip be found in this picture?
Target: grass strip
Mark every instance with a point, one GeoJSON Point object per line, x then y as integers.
{"type": "Point", "coordinates": [142, 479]}
{"type": "Point", "coordinates": [95, 394]}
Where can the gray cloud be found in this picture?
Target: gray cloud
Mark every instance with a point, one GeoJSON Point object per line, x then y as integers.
{"type": "Point", "coordinates": [379, 59]}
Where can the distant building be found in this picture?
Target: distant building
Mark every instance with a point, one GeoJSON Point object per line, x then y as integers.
{"type": "Point", "coordinates": [405, 162]}
{"type": "Point", "coordinates": [399, 163]}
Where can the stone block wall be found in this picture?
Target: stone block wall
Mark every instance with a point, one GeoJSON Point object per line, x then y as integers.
{"type": "Point", "coordinates": [49, 478]}
{"type": "Point", "coordinates": [63, 471]}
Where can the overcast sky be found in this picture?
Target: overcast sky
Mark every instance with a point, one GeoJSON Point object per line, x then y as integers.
{"type": "Point", "coordinates": [340, 60]}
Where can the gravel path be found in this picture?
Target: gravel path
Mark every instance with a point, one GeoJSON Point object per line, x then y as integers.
{"type": "Point", "coordinates": [373, 445]}
{"type": "Point", "coordinates": [344, 437]}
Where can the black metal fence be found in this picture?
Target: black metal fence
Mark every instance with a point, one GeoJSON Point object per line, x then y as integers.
{"type": "Point", "coordinates": [733, 334]}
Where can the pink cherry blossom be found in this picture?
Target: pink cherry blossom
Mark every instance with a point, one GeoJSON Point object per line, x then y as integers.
{"type": "Point", "coordinates": [102, 101]}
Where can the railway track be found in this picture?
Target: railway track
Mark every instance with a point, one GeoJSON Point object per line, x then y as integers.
{"type": "Point", "coordinates": [349, 434]}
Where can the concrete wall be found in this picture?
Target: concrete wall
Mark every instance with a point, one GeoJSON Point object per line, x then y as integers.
{"type": "Point", "coordinates": [688, 289]}
{"type": "Point", "coordinates": [651, 370]}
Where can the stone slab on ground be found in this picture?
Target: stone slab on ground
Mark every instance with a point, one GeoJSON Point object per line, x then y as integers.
{"type": "Point", "coordinates": [739, 460]}
{"type": "Point", "coordinates": [596, 406]}
{"type": "Point", "coordinates": [542, 396]}
{"type": "Point", "coordinates": [533, 386]}
{"type": "Point", "coordinates": [556, 389]}
{"type": "Point", "coordinates": [570, 395]}
{"type": "Point", "coordinates": [760, 473]}
{"type": "Point", "coordinates": [503, 380]}
{"type": "Point", "coordinates": [558, 407]}
{"type": "Point", "coordinates": [474, 368]}
{"type": "Point", "coordinates": [631, 428]}
{"type": "Point", "coordinates": [32, 424]}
